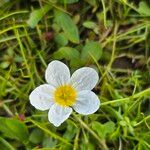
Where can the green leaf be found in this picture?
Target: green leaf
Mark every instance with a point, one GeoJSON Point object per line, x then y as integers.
{"type": "Point", "coordinates": [49, 132]}
{"type": "Point", "coordinates": [89, 24]}
{"type": "Point", "coordinates": [68, 1]}
{"type": "Point", "coordinates": [122, 123]}
{"type": "Point", "coordinates": [93, 2]}
{"type": "Point", "coordinates": [49, 142]}
{"type": "Point", "coordinates": [36, 136]}
{"type": "Point", "coordinates": [14, 129]}
{"type": "Point", "coordinates": [3, 2]}
{"type": "Point", "coordinates": [91, 50]}
{"type": "Point", "coordinates": [37, 15]}
{"type": "Point", "coordinates": [68, 26]}
{"type": "Point", "coordinates": [114, 113]}
{"type": "Point", "coordinates": [144, 9]}
{"type": "Point", "coordinates": [103, 129]}
{"type": "Point", "coordinates": [61, 39]}
{"type": "Point", "coordinates": [109, 126]}
{"type": "Point", "coordinates": [70, 132]}
{"type": "Point", "coordinates": [5, 145]}
{"type": "Point", "coordinates": [66, 52]}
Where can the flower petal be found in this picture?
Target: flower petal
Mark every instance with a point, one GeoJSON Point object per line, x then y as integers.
{"type": "Point", "coordinates": [84, 79]}
{"type": "Point", "coordinates": [87, 103]}
{"type": "Point", "coordinates": [42, 97]}
{"type": "Point", "coordinates": [57, 73]}
{"type": "Point", "coordinates": [58, 114]}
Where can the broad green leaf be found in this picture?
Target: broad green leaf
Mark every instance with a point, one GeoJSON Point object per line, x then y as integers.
{"type": "Point", "coordinates": [103, 129]}
{"type": "Point", "coordinates": [61, 39]}
{"type": "Point", "coordinates": [91, 50]}
{"type": "Point", "coordinates": [68, 26]}
{"type": "Point", "coordinates": [122, 123]}
{"type": "Point", "coordinates": [37, 15]}
{"type": "Point", "coordinates": [14, 129]}
{"type": "Point", "coordinates": [144, 9]}
{"type": "Point", "coordinates": [109, 126]}
{"type": "Point", "coordinates": [68, 1]}
{"type": "Point", "coordinates": [91, 2]}
{"type": "Point", "coordinates": [36, 136]}
{"type": "Point", "coordinates": [49, 142]}
{"type": "Point", "coordinates": [4, 64]}
{"type": "Point", "coordinates": [66, 52]}
{"type": "Point", "coordinates": [70, 132]}
{"type": "Point", "coordinates": [89, 24]}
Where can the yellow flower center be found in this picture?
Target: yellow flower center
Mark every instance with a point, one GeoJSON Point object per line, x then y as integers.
{"type": "Point", "coordinates": [65, 95]}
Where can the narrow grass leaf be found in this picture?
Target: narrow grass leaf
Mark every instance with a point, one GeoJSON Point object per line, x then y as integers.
{"type": "Point", "coordinates": [5, 145]}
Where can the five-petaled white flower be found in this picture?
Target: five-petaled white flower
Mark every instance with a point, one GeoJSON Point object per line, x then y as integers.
{"type": "Point", "coordinates": [62, 93]}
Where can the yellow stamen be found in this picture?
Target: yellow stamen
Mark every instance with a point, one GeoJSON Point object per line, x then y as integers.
{"type": "Point", "coordinates": [65, 95]}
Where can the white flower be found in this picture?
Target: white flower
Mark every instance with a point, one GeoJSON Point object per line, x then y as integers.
{"type": "Point", "coordinates": [62, 92]}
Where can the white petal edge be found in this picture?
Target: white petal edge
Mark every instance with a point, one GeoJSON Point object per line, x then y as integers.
{"type": "Point", "coordinates": [57, 73]}
{"type": "Point", "coordinates": [42, 97]}
{"type": "Point", "coordinates": [84, 79]}
{"type": "Point", "coordinates": [58, 114]}
{"type": "Point", "coordinates": [87, 103]}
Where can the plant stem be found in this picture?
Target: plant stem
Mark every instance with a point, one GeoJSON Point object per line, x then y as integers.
{"type": "Point", "coordinates": [101, 142]}
{"type": "Point", "coordinates": [144, 92]}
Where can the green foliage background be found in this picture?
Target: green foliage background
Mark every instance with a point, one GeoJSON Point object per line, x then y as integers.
{"type": "Point", "coordinates": [113, 36]}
